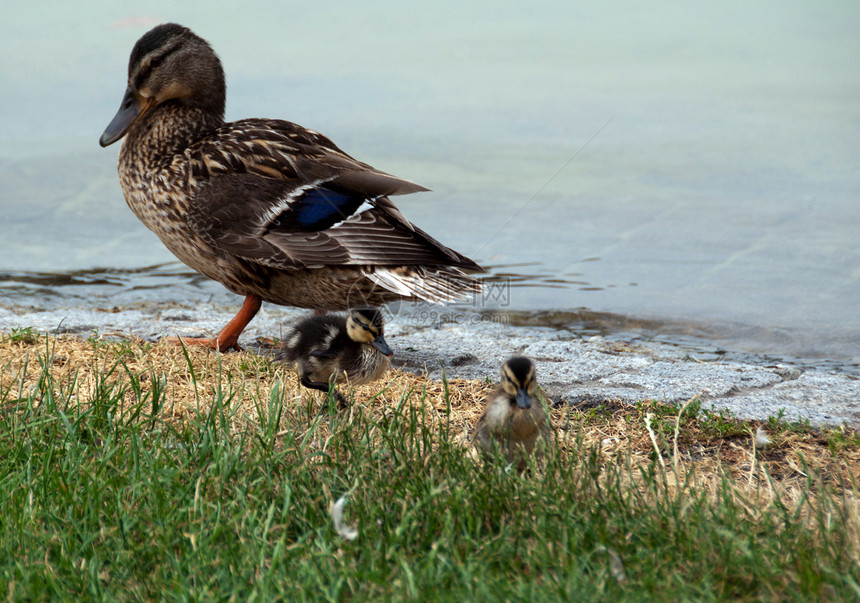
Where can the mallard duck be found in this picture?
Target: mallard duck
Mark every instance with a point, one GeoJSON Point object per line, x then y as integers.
{"type": "Point", "coordinates": [273, 211]}
{"type": "Point", "coordinates": [331, 346]}
{"type": "Point", "coordinates": [515, 419]}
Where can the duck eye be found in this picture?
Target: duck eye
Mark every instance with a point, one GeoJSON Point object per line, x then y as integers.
{"type": "Point", "coordinates": [155, 61]}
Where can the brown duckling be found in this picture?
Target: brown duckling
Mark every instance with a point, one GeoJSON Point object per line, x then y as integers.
{"type": "Point", "coordinates": [515, 418]}
{"type": "Point", "coordinates": [333, 347]}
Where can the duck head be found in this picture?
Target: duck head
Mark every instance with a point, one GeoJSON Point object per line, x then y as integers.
{"type": "Point", "coordinates": [169, 64]}
{"type": "Point", "coordinates": [364, 325]}
{"type": "Point", "coordinates": [518, 381]}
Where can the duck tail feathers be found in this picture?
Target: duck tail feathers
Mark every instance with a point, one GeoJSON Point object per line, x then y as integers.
{"type": "Point", "coordinates": [438, 286]}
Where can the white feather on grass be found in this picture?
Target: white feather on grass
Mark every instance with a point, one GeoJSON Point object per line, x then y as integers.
{"type": "Point", "coordinates": [616, 566]}
{"type": "Point", "coordinates": [336, 511]}
{"type": "Point", "coordinates": [762, 439]}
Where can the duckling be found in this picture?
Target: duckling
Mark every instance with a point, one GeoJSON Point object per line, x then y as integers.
{"type": "Point", "coordinates": [330, 346]}
{"type": "Point", "coordinates": [272, 210]}
{"type": "Point", "coordinates": [515, 418]}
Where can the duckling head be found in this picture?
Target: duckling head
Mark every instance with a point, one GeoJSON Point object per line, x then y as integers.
{"type": "Point", "coordinates": [169, 63]}
{"type": "Point", "coordinates": [518, 380]}
{"type": "Point", "coordinates": [364, 325]}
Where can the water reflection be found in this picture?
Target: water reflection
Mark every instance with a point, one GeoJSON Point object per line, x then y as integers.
{"type": "Point", "coordinates": [537, 274]}
{"type": "Point", "coordinates": [49, 290]}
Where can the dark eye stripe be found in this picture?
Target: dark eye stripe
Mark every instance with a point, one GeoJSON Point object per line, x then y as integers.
{"type": "Point", "coordinates": [142, 75]}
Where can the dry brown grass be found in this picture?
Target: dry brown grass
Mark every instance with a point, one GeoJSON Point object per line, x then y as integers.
{"type": "Point", "coordinates": [251, 376]}
{"type": "Point", "coordinates": [781, 470]}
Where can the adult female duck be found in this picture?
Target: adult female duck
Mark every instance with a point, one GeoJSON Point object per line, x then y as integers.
{"type": "Point", "coordinates": [270, 209]}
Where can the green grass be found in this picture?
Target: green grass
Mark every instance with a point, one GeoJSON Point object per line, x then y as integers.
{"type": "Point", "coordinates": [24, 335]}
{"type": "Point", "coordinates": [110, 501]}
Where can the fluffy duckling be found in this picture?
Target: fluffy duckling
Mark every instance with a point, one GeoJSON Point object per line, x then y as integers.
{"type": "Point", "coordinates": [515, 418]}
{"type": "Point", "coordinates": [331, 346]}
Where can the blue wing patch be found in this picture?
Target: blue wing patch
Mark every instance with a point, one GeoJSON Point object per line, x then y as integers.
{"type": "Point", "coordinates": [320, 208]}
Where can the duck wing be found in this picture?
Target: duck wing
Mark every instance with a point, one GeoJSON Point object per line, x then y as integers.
{"type": "Point", "coordinates": [276, 223]}
{"type": "Point", "coordinates": [278, 194]}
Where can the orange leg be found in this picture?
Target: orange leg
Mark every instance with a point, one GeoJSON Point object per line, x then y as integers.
{"type": "Point", "coordinates": [228, 337]}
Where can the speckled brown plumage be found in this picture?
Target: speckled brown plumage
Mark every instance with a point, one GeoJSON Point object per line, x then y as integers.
{"type": "Point", "coordinates": [272, 210]}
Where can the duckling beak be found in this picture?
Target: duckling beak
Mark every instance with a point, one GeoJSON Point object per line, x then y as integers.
{"type": "Point", "coordinates": [131, 108]}
{"type": "Point", "coordinates": [524, 401]}
{"type": "Point", "coordinates": [379, 344]}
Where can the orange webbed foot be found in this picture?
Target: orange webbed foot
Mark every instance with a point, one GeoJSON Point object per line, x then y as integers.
{"type": "Point", "coordinates": [228, 338]}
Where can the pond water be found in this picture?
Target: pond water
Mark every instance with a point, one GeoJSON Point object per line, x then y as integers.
{"type": "Point", "coordinates": [692, 169]}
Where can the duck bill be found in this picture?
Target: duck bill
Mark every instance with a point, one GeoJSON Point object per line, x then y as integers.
{"type": "Point", "coordinates": [379, 344]}
{"type": "Point", "coordinates": [131, 109]}
{"type": "Point", "coordinates": [524, 401]}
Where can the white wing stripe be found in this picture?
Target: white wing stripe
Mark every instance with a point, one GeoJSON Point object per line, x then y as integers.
{"type": "Point", "coordinates": [283, 203]}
